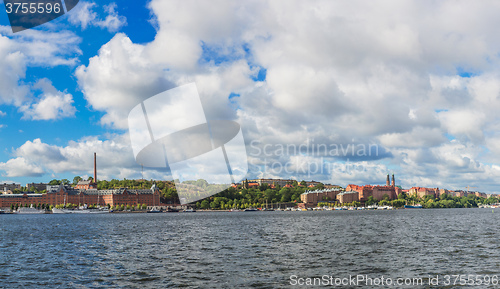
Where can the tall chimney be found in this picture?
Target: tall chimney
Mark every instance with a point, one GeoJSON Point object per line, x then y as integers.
{"type": "Point", "coordinates": [95, 168]}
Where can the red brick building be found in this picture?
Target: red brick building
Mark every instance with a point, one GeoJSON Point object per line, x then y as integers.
{"type": "Point", "coordinates": [377, 192]}
{"type": "Point", "coordinates": [63, 195]}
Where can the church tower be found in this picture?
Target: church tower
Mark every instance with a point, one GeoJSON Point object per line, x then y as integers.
{"type": "Point", "coordinates": [387, 182]}
{"type": "Point", "coordinates": [393, 181]}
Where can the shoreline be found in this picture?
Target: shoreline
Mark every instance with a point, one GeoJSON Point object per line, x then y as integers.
{"type": "Point", "coordinates": [229, 211]}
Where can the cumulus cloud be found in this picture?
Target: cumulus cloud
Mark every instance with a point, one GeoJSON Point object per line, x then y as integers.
{"type": "Point", "coordinates": [20, 167]}
{"type": "Point", "coordinates": [85, 16]}
{"type": "Point", "coordinates": [113, 22]}
{"type": "Point", "coordinates": [336, 72]}
{"type": "Point", "coordinates": [52, 104]}
{"type": "Point", "coordinates": [118, 78]}
{"type": "Point", "coordinates": [114, 159]}
{"type": "Point", "coordinates": [35, 48]}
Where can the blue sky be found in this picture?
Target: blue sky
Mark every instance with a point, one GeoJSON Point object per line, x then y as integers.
{"type": "Point", "coordinates": [85, 121]}
{"type": "Point", "coordinates": [424, 91]}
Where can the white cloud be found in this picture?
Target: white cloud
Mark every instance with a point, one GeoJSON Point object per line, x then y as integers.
{"type": "Point", "coordinates": [35, 48]}
{"type": "Point", "coordinates": [336, 72]}
{"type": "Point", "coordinates": [85, 16]}
{"type": "Point", "coordinates": [118, 78]}
{"type": "Point", "coordinates": [114, 159]}
{"type": "Point", "coordinates": [464, 122]}
{"type": "Point", "coordinates": [20, 167]}
{"type": "Point", "coordinates": [113, 22]}
{"type": "Point", "coordinates": [418, 137]}
{"type": "Point", "coordinates": [52, 104]}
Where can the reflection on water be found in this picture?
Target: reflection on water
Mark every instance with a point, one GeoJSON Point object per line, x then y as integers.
{"type": "Point", "coordinates": [243, 249]}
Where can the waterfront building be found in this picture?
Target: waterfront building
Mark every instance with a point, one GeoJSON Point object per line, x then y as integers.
{"type": "Point", "coordinates": [312, 198]}
{"type": "Point", "coordinates": [443, 191]}
{"type": "Point", "coordinates": [459, 193]}
{"type": "Point", "coordinates": [275, 182]}
{"type": "Point", "coordinates": [62, 194]}
{"type": "Point", "coordinates": [377, 192]}
{"type": "Point", "coordinates": [85, 185]}
{"type": "Point", "coordinates": [329, 186]}
{"type": "Point", "coordinates": [312, 184]}
{"type": "Point", "coordinates": [421, 192]}
{"type": "Point", "coordinates": [482, 195]}
{"type": "Point", "coordinates": [36, 187]}
{"type": "Point", "coordinates": [9, 187]}
{"type": "Point", "coordinates": [85, 192]}
{"type": "Point", "coordinates": [348, 197]}
{"type": "Point", "coordinates": [282, 182]}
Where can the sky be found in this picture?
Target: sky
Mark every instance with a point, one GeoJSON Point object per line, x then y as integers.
{"type": "Point", "coordinates": [333, 91]}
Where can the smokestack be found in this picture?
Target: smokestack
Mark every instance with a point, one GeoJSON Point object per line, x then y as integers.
{"type": "Point", "coordinates": [95, 168]}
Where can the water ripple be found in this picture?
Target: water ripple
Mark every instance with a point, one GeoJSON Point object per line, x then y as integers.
{"type": "Point", "coordinates": [254, 250]}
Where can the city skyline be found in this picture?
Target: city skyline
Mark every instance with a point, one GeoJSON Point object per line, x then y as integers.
{"type": "Point", "coordinates": [357, 89]}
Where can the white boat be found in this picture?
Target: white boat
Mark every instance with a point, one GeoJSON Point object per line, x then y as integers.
{"type": "Point", "coordinates": [250, 209]}
{"type": "Point", "coordinates": [80, 211]}
{"type": "Point", "coordinates": [154, 210]}
{"type": "Point", "coordinates": [30, 210]}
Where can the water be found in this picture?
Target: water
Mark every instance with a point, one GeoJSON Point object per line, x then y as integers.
{"type": "Point", "coordinates": [245, 249]}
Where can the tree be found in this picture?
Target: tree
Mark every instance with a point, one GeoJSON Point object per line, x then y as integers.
{"type": "Point", "coordinates": [370, 201]}
{"type": "Point", "coordinates": [319, 186]}
{"type": "Point", "coordinates": [205, 204]}
{"type": "Point", "coordinates": [286, 194]}
{"type": "Point", "coordinates": [263, 187]}
{"type": "Point", "coordinates": [398, 203]}
{"type": "Point", "coordinates": [64, 181]}
{"type": "Point", "coordinates": [54, 182]}
{"type": "Point", "coordinates": [76, 180]}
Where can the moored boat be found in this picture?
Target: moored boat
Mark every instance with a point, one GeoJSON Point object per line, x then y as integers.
{"type": "Point", "coordinates": [413, 207]}
{"type": "Point", "coordinates": [250, 209]}
{"type": "Point", "coordinates": [154, 210]}
{"type": "Point", "coordinates": [80, 211]}
{"type": "Point", "coordinates": [30, 210]}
